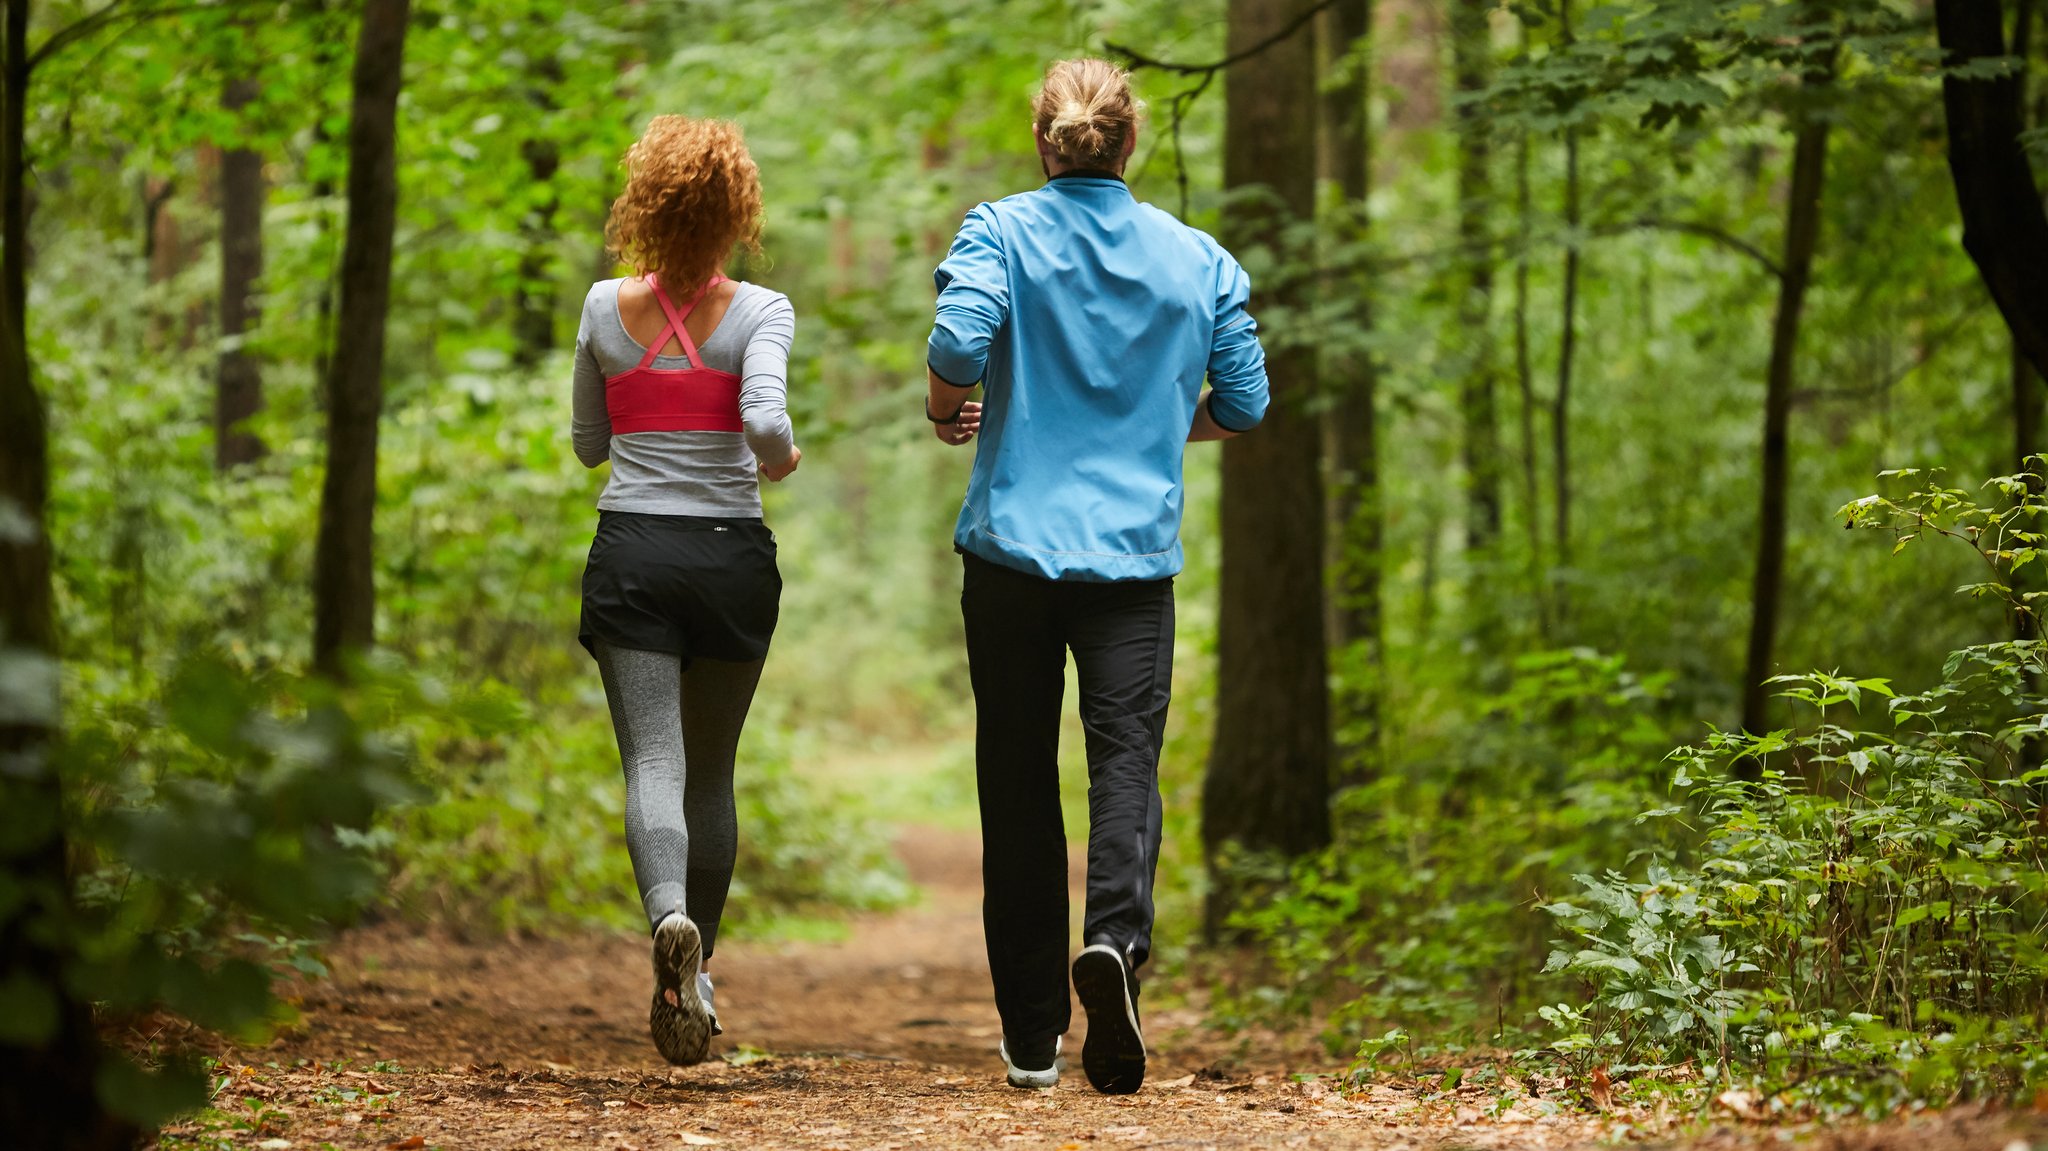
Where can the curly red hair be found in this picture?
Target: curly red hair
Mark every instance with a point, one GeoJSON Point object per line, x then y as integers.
{"type": "Point", "coordinates": [692, 195]}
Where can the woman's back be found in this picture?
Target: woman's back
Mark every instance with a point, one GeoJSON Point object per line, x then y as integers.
{"type": "Point", "coordinates": [695, 473]}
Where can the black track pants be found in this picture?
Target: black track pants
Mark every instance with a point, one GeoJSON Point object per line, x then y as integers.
{"type": "Point", "coordinates": [1019, 628]}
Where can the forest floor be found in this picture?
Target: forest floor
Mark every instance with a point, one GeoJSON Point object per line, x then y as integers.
{"type": "Point", "coordinates": [884, 1038]}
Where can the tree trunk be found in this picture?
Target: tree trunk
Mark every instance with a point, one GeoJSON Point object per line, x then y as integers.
{"type": "Point", "coordinates": [49, 1065]}
{"type": "Point", "coordinates": [1472, 52]}
{"type": "Point", "coordinates": [1525, 383]}
{"type": "Point", "coordinates": [239, 384]}
{"type": "Point", "coordinates": [1802, 234]}
{"type": "Point", "coordinates": [1352, 379]}
{"type": "Point", "coordinates": [2005, 225]}
{"type": "Point", "coordinates": [534, 320]}
{"type": "Point", "coordinates": [344, 595]}
{"type": "Point", "coordinates": [1268, 783]}
{"type": "Point", "coordinates": [1567, 348]}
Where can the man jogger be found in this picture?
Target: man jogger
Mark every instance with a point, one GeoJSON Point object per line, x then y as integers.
{"type": "Point", "coordinates": [1091, 321]}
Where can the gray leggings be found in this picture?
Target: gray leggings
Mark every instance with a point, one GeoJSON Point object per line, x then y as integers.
{"type": "Point", "coordinates": [677, 733]}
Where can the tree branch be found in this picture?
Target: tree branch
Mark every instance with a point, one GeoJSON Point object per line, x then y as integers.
{"type": "Point", "coordinates": [1138, 60]}
{"type": "Point", "coordinates": [1710, 232]}
{"type": "Point", "coordinates": [114, 12]}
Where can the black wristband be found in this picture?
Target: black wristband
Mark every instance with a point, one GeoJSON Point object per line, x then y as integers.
{"type": "Point", "coordinates": [952, 419]}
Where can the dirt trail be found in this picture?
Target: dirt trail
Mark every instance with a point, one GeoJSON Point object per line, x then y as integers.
{"type": "Point", "coordinates": [885, 1039]}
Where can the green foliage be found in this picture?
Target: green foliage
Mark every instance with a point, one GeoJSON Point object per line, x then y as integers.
{"type": "Point", "coordinates": [1417, 913]}
{"type": "Point", "coordinates": [1874, 907]}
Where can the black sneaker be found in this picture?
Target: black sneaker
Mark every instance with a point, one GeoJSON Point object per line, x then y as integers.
{"type": "Point", "coordinates": [1032, 1065]}
{"type": "Point", "coordinates": [1114, 1054]}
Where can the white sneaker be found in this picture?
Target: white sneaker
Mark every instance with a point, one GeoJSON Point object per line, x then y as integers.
{"type": "Point", "coordinates": [678, 1018]}
{"type": "Point", "coordinates": [704, 994]}
{"type": "Point", "coordinates": [1035, 1080]}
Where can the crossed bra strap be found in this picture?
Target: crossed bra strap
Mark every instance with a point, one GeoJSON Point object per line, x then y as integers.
{"type": "Point", "coordinates": [675, 321]}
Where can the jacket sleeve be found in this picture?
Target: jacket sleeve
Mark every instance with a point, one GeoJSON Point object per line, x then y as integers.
{"type": "Point", "coordinates": [590, 423]}
{"type": "Point", "coordinates": [1237, 363]}
{"type": "Point", "coordinates": [974, 301]}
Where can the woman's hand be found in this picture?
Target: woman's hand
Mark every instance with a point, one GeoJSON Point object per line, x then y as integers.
{"type": "Point", "coordinates": [776, 475]}
{"type": "Point", "coordinates": [962, 427]}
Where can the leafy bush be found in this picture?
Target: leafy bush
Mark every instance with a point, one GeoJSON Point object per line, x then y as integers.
{"type": "Point", "coordinates": [1874, 908]}
{"type": "Point", "coordinates": [1417, 911]}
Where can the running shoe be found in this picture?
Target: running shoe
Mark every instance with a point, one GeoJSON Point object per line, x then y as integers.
{"type": "Point", "coordinates": [679, 1018]}
{"type": "Point", "coordinates": [711, 1009]}
{"type": "Point", "coordinates": [1114, 1054]}
{"type": "Point", "coordinates": [1034, 1080]}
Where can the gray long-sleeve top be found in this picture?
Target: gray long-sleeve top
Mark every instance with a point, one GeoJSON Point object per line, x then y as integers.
{"type": "Point", "coordinates": [688, 473]}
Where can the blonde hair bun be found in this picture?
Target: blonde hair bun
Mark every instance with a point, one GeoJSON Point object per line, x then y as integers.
{"type": "Point", "coordinates": [1086, 112]}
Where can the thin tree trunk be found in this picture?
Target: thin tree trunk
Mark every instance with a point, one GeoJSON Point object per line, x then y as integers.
{"type": "Point", "coordinates": [1567, 347]}
{"type": "Point", "coordinates": [1472, 53]}
{"type": "Point", "coordinates": [1352, 378]}
{"type": "Point", "coordinates": [1268, 783]}
{"type": "Point", "coordinates": [1802, 235]}
{"type": "Point", "coordinates": [534, 322]}
{"type": "Point", "coordinates": [239, 384]}
{"type": "Point", "coordinates": [1525, 382]}
{"type": "Point", "coordinates": [49, 1098]}
{"type": "Point", "coordinates": [2005, 225]}
{"type": "Point", "coordinates": [344, 594]}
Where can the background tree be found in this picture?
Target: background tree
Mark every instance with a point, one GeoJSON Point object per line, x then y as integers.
{"type": "Point", "coordinates": [345, 608]}
{"type": "Point", "coordinates": [1802, 236]}
{"type": "Point", "coordinates": [1267, 787]}
{"type": "Point", "coordinates": [1349, 374]}
{"type": "Point", "coordinates": [240, 389]}
{"type": "Point", "coordinates": [2005, 227]}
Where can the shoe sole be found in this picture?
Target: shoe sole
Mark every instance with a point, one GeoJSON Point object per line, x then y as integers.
{"type": "Point", "coordinates": [681, 1030]}
{"type": "Point", "coordinates": [1114, 1054]}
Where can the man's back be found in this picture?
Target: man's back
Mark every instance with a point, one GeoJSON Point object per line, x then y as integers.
{"type": "Point", "coordinates": [1092, 319]}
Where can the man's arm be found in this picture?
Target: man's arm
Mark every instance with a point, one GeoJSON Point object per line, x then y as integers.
{"type": "Point", "coordinates": [954, 417]}
{"type": "Point", "coordinates": [1238, 391]}
{"type": "Point", "coordinates": [1206, 428]}
{"type": "Point", "coordinates": [973, 304]}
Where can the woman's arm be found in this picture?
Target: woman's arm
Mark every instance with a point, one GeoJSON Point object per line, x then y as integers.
{"type": "Point", "coordinates": [590, 423]}
{"type": "Point", "coordinates": [764, 391]}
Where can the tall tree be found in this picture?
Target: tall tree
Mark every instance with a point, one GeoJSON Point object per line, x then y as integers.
{"type": "Point", "coordinates": [344, 592]}
{"type": "Point", "coordinates": [1351, 378]}
{"type": "Point", "coordinates": [239, 377]}
{"type": "Point", "coordinates": [49, 1051]}
{"type": "Point", "coordinates": [1567, 349]}
{"type": "Point", "coordinates": [1472, 59]}
{"type": "Point", "coordinates": [2005, 225]}
{"type": "Point", "coordinates": [1802, 235]}
{"type": "Point", "coordinates": [534, 319]}
{"type": "Point", "coordinates": [1268, 782]}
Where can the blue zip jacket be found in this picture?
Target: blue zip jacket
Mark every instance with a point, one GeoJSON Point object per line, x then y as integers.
{"type": "Point", "coordinates": [1091, 319]}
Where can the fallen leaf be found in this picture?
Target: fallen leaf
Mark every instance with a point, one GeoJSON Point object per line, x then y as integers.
{"type": "Point", "coordinates": [692, 1139]}
{"type": "Point", "coordinates": [1601, 1089]}
{"type": "Point", "coordinates": [1742, 1104]}
{"type": "Point", "coordinates": [275, 1144]}
{"type": "Point", "coordinates": [1183, 1081]}
{"type": "Point", "coordinates": [1128, 1134]}
{"type": "Point", "coordinates": [410, 1143]}
{"type": "Point", "coordinates": [636, 1105]}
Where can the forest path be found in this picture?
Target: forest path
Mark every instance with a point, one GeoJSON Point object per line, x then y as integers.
{"type": "Point", "coordinates": [883, 1039]}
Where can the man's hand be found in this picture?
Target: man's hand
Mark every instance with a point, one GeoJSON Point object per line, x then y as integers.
{"type": "Point", "coordinates": [777, 474]}
{"type": "Point", "coordinates": [963, 427]}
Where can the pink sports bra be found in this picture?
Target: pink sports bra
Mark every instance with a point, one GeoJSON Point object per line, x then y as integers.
{"type": "Point", "coordinates": [692, 399]}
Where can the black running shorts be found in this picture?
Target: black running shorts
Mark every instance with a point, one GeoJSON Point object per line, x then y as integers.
{"type": "Point", "coordinates": [698, 586]}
